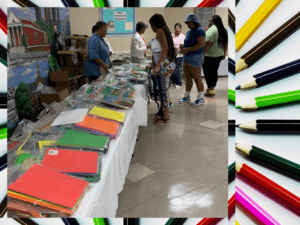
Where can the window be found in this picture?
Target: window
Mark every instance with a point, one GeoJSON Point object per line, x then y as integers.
{"type": "Point", "coordinates": [35, 35]}
{"type": "Point", "coordinates": [13, 21]}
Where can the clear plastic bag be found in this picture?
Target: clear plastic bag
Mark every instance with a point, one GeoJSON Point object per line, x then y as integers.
{"type": "Point", "coordinates": [119, 102]}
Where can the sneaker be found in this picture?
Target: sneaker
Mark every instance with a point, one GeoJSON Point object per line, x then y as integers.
{"type": "Point", "coordinates": [198, 102]}
{"type": "Point", "coordinates": [185, 100]}
{"type": "Point", "coordinates": [177, 86]}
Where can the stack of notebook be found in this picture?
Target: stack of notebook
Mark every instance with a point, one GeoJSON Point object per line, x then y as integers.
{"type": "Point", "coordinates": [18, 208]}
{"type": "Point", "coordinates": [115, 91]}
{"type": "Point", "coordinates": [108, 114]}
{"type": "Point", "coordinates": [82, 163]}
{"type": "Point", "coordinates": [100, 126]}
{"type": "Point", "coordinates": [83, 140]}
{"type": "Point", "coordinates": [46, 187]}
{"type": "Point", "coordinates": [123, 103]}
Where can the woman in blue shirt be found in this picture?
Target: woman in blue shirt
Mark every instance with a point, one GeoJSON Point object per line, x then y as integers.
{"type": "Point", "coordinates": [98, 53]}
{"type": "Point", "coordinates": [192, 50]}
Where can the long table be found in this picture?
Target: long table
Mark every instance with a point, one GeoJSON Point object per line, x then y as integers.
{"type": "Point", "coordinates": [102, 198]}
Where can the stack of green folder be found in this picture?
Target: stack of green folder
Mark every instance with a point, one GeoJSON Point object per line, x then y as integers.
{"type": "Point", "coordinates": [83, 140]}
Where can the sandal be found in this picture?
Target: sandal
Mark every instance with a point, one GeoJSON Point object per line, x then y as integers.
{"type": "Point", "coordinates": [210, 93]}
{"type": "Point", "coordinates": [161, 121]}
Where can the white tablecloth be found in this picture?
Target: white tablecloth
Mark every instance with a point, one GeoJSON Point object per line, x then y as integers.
{"type": "Point", "coordinates": [102, 198]}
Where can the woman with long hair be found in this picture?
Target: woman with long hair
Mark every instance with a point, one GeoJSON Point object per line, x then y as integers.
{"type": "Point", "coordinates": [215, 50]}
{"type": "Point", "coordinates": [164, 63]}
{"type": "Point", "coordinates": [193, 58]}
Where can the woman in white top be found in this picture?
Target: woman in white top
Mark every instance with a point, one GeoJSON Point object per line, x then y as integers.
{"type": "Point", "coordinates": [178, 39]}
{"type": "Point", "coordinates": [138, 44]}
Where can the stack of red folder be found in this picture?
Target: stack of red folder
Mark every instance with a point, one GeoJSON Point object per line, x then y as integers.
{"type": "Point", "coordinates": [46, 187]}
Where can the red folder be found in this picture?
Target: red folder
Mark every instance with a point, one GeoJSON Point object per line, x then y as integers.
{"type": "Point", "coordinates": [49, 185]}
{"type": "Point", "coordinates": [71, 161]}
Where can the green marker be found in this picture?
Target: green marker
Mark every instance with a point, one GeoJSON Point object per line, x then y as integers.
{"type": "Point", "coordinates": [271, 100]}
{"type": "Point", "coordinates": [231, 95]}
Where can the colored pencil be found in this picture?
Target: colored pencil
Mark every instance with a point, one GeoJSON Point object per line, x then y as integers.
{"type": "Point", "coordinates": [25, 221]}
{"type": "Point", "coordinates": [3, 206]}
{"type": "Point", "coordinates": [132, 3]}
{"type": "Point", "coordinates": [269, 43]}
{"type": "Point", "coordinates": [255, 21]}
{"type": "Point", "coordinates": [101, 3]}
{"type": "Point", "coordinates": [272, 126]}
{"type": "Point", "coordinates": [173, 221]}
{"type": "Point", "coordinates": [3, 162]}
{"type": "Point", "coordinates": [131, 221]}
{"type": "Point", "coordinates": [3, 24]}
{"type": "Point", "coordinates": [269, 159]}
{"type": "Point", "coordinates": [288, 198]}
{"type": "Point", "coordinates": [231, 127]}
{"type": "Point", "coordinates": [231, 172]}
{"type": "Point", "coordinates": [271, 100]}
{"type": "Point", "coordinates": [231, 95]}
{"type": "Point", "coordinates": [231, 206]}
{"type": "Point", "coordinates": [231, 65]}
{"type": "Point", "coordinates": [253, 209]}
{"type": "Point", "coordinates": [271, 75]}
{"type": "Point", "coordinates": [100, 221]}
{"type": "Point", "coordinates": [176, 3]}
{"type": "Point", "coordinates": [237, 2]}
{"type": "Point", "coordinates": [209, 221]}
{"type": "Point", "coordinates": [231, 20]}
{"type": "Point", "coordinates": [25, 3]}
{"type": "Point", "coordinates": [70, 221]}
{"type": "Point", "coordinates": [70, 3]}
{"type": "Point", "coordinates": [236, 222]}
{"type": "Point", "coordinates": [3, 53]}
{"type": "Point", "coordinates": [210, 3]}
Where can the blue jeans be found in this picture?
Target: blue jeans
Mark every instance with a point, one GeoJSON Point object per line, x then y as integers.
{"type": "Point", "coordinates": [176, 76]}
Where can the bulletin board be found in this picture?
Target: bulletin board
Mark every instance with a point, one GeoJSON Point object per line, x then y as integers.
{"type": "Point", "coordinates": [120, 21]}
{"type": "Point", "coordinates": [203, 15]}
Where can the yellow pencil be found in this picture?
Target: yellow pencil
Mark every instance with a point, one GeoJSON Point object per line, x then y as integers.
{"type": "Point", "coordinates": [255, 21]}
{"type": "Point", "coordinates": [236, 222]}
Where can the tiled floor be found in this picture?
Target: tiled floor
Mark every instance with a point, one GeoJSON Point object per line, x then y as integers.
{"type": "Point", "coordinates": [188, 158]}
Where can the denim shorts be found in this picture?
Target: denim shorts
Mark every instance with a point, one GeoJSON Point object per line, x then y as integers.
{"type": "Point", "coordinates": [195, 60]}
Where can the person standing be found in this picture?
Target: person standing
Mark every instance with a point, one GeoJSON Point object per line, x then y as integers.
{"type": "Point", "coordinates": [216, 46]}
{"type": "Point", "coordinates": [193, 58]}
{"type": "Point", "coordinates": [138, 44]}
{"type": "Point", "coordinates": [164, 63]}
{"type": "Point", "coordinates": [98, 53]}
{"type": "Point", "coordinates": [178, 39]}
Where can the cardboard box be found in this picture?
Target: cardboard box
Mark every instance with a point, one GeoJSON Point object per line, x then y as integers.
{"type": "Point", "coordinates": [62, 75]}
{"type": "Point", "coordinates": [78, 69]}
{"type": "Point", "coordinates": [62, 93]}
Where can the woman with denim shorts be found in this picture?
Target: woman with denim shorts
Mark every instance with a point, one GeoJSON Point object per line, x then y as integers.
{"type": "Point", "coordinates": [164, 63]}
{"type": "Point", "coordinates": [193, 58]}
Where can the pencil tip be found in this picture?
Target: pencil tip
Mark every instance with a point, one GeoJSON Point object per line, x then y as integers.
{"type": "Point", "coordinates": [238, 87]}
{"type": "Point", "coordinates": [241, 65]}
{"type": "Point", "coordinates": [237, 125]}
{"type": "Point", "coordinates": [238, 107]}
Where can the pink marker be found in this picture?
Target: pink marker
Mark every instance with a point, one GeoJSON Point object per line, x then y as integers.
{"type": "Point", "coordinates": [253, 209]}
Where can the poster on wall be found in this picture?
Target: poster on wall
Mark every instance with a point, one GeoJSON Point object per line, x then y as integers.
{"type": "Point", "coordinates": [120, 21]}
{"type": "Point", "coordinates": [203, 15]}
{"type": "Point", "coordinates": [30, 34]}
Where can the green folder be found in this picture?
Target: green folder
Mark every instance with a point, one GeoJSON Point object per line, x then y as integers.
{"type": "Point", "coordinates": [22, 157]}
{"type": "Point", "coordinates": [80, 139]}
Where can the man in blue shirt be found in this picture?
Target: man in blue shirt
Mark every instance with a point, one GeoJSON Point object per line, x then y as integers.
{"type": "Point", "coordinates": [98, 53]}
